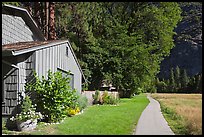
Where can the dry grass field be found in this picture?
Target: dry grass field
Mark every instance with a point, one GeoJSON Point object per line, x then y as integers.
{"type": "Point", "coordinates": [182, 111]}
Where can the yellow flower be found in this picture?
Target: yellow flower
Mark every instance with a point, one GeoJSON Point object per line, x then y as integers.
{"type": "Point", "coordinates": [71, 111]}
{"type": "Point", "coordinates": [77, 110]}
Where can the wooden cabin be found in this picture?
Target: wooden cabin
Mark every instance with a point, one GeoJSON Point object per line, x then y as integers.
{"type": "Point", "coordinates": [25, 49]}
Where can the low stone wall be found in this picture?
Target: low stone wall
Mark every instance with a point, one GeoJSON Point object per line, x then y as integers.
{"type": "Point", "coordinates": [89, 94]}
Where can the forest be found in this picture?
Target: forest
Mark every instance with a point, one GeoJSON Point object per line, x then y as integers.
{"type": "Point", "coordinates": [122, 43]}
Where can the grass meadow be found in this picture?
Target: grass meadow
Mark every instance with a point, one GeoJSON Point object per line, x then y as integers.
{"type": "Point", "coordinates": [183, 112]}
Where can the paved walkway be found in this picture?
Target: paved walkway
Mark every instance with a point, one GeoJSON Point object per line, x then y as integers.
{"type": "Point", "coordinates": [152, 121]}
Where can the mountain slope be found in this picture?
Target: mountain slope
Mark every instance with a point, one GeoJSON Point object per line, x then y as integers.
{"type": "Point", "coordinates": [187, 53]}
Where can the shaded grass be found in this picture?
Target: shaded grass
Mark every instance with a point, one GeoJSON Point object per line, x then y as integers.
{"type": "Point", "coordinates": [183, 112]}
{"type": "Point", "coordinates": [100, 119]}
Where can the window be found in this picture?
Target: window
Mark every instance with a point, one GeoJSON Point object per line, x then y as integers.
{"type": "Point", "coordinates": [67, 51]}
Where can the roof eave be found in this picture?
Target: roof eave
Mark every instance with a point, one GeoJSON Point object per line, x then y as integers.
{"type": "Point", "coordinates": [23, 51]}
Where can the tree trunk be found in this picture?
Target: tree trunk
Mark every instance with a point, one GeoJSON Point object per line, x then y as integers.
{"type": "Point", "coordinates": [46, 19]}
{"type": "Point", "coordinates": [44, 16]}
{"type": "Point", "coordinates": [52, 32]}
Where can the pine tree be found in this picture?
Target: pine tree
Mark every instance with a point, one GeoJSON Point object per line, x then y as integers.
{"type": "Point", "coordinates": [192, 84]}
{"type": "Point", "coordinates": [172, 80]}
{"type": "Point", "coordinates": [44, 15]}
{"type": "Point", "coordinates": [198, 84]}
{"type": "Point", "coordinates": [184, 79]}
{"type": "Point", "coordinates": [168, 86]}
{"type": "Point", "coordinates": [177, 77]}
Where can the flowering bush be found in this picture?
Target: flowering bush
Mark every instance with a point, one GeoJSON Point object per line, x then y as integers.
{"type": "Point", "coordinates": [72, 111]}
{"type": "Point", "coordinates": [28, 112]}
{"type": "Point", "coordinates": [30, 115]}
{"type": "Point", "coordinates": [53, 94]}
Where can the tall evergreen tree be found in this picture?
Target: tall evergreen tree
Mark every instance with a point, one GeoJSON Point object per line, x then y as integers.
{"type": "Point", "coordinates": [184, 79]}
{"type": "Point", "coordinates": [44, 15]}
{"type": "Point", "coordinates": [198, 80]}
{"type": "Point", "coordinates": [177, 77]}
{"type": "Point", "coordinates": [172, 80]}
{"type": "Point", "coordinates": [200, 84]}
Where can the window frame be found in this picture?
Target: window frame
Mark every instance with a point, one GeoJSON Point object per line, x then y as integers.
{"type": "Point", "coordinates": [67, 51]}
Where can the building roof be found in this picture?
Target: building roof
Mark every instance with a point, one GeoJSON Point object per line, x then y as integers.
{"type": "Point", "coordinates": [21, 12]}
{"type": "Point", "coordinates": [28, 46]}
{"type": "Point", "coordinates": [19, 48]}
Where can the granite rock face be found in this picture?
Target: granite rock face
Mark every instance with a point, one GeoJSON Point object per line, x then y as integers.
{"type": "Point", "coordinates": [187, 53]}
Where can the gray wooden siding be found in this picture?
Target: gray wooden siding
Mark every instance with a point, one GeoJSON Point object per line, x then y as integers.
{"type": "Point", "coordinates": [26, 66]}
{"type": "Point", "coordinates": [55, 57]}
{"type": "Point", "coordinates": [13, 86]}
{"type": "Point", "coordinates": [14, 29]}
{"type": "Point", "coordinates": [9, 89]}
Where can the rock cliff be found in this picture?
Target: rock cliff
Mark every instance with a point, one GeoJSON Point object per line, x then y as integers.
{"type": "Point", "coordinates": [187, 53]}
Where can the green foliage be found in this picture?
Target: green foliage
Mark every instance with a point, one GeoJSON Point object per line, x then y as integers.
{"type": "Point", "coordinates": [12, 3]}
{"type": "Point", "coordinates": [180, 82]}
{"type": "Point", "coordinates": [172, 81]}
{"type": "Point", "coordinates": [4, 125]}
{"type": "Point", "coordinates": [184, 79]}
{"type": "Point", "coordinates": [120, 42]}
{"type": "Point", "coordinates": [111, 100]}
{"type": "Point", "coordinates": [161, 87]}
{"type": "Point", "coordinates": [105, 98]}
{"type": "Point", "coordinates": [139, 90]}
{"type": "Point", "coordinates": [96, 97]}
{"type": "Point", "coordinates": [200, 84]}
{"type": "Point", "coordinates": [195, 83]}
{"type": "Point", "coordinates": [82, 101]}
{"type": "Point", "coordinates": [177, 77]}
{"type": "Point", "coordinates": [53, 95]}
{"type": "Point", "coordinates": [26, 104]}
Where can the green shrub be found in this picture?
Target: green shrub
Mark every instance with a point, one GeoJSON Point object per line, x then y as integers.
{"type": "Point", "coordinates": [4, 125]}
{"type": "Point", "coordinates": [53, 95]}
{"type": "Point", "coordinates": [27, 111]}
{"type": "Point", "coordinates": [96, 97]}
{"type": "Point", "coordinates": [139, 91]}
{"type": "Point", "coordinates": [105, 98]}
{"type": "Point", "coordinates": [113, 100]}
{"type": "Point", "coordinates": [82, 102]}
{"type": "Point", "coordinates": [26, 104]}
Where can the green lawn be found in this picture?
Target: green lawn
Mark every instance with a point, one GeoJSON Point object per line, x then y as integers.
{"type": "Point", "coordinates": [100, 119]}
